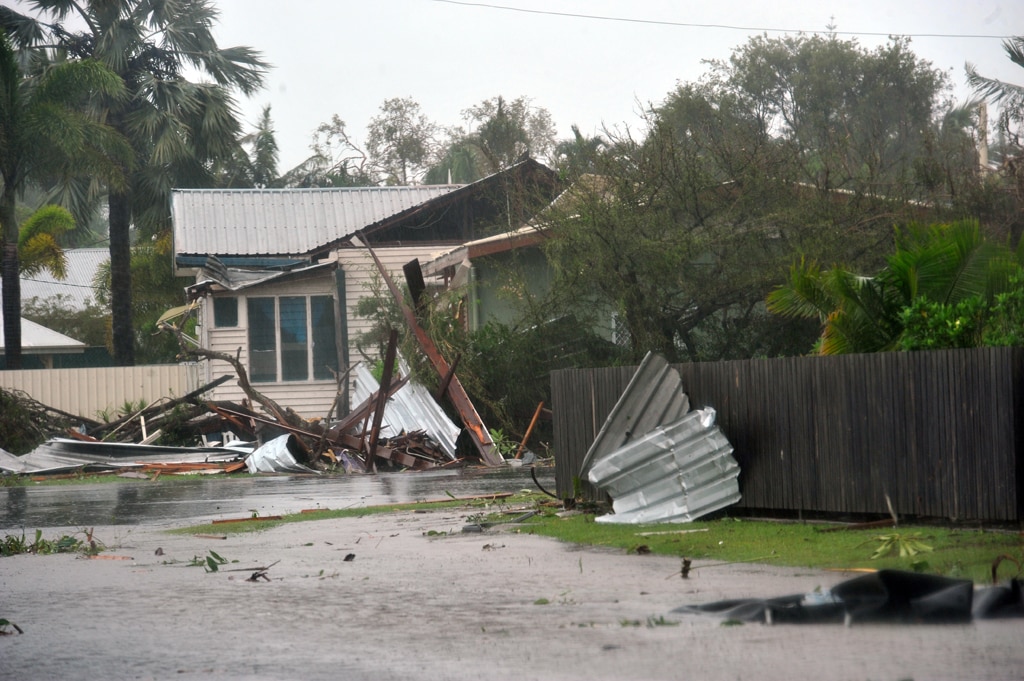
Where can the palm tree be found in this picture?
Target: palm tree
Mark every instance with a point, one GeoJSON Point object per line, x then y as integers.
{"type": "Point", "coordinates": [39, 241]}
{"type": "Point", "coordinates": [179, 130]}
{"type": "Point", "coordinates": [945, 264]}
{"type": "Point", "coordinates": [579, 155]}
{"type": "Point", "coordinates": [45, 127]}
{"type": "Point", "coordinates": [1009, 95]}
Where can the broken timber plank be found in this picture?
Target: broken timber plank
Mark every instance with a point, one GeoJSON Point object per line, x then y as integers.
{"type": "Point", "coordinates": [460, 399]}
{"type": "Point", "coordinates": [382, 399]}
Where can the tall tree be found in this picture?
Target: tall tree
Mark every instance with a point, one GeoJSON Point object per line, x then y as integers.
{"type": "Point", "coordinates": [254, 163]}
{"type": "Point", "coordinates": [39, 241]}
{"type": "Point", "coordinates": [500, 133]}
{"type": "Point", "coordinates": [177, 128]}
{"type": "Point", "coordinates": [337, 161]}
{"type": "Point", "coordinates": [679, 258]}
{"type": "Point", "coordinates": [505, 131]}
{"type": "Point", "coordinates": [400, 141]}
{"type": "Point", "coordinates": [1009, 97]}
{"type": "Point", "coordinates": [46, 127]}
{"type": "Point", "coordinates": [577, 156]}
{"type": "Point", "coordinates": [793, 146]}
{"type": "Point", "coordinates": [459, 160]}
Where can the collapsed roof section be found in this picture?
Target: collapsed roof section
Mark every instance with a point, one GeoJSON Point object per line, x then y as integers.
{"type": "Point", "coordinates": [215, 275]}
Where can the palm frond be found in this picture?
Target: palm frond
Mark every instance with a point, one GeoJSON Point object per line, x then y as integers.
{"type": "Point", "coordinates": [804, 295]}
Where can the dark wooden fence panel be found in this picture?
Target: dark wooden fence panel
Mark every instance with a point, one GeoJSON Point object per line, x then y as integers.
{"type": "Point", "coordinates": [940, 433]}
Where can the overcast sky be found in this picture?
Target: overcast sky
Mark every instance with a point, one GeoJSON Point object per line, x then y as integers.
{"type": "Point", "coordinates": [346, 57]}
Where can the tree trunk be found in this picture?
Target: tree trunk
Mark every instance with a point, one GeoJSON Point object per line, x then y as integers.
{"type": "Point", "coordinates": [121, 278]}
{"type": "Point", "coordinates": [10, 283]}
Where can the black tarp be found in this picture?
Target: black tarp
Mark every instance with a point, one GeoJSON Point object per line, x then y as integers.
{"type": "Point", "coordinates": [892, 596]}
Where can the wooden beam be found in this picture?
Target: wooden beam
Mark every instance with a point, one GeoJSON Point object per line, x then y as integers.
{"type": "Point", "coordinates": [457, 394]}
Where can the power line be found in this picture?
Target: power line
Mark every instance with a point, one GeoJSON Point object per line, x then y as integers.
{"type": "Point", "coordinates": [60, 283]}
{"type": "Point", "coordinates": [728, 27]}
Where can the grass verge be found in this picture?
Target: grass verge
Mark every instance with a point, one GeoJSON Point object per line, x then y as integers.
{"type": "Point", "coordinates": [954, 552]}
{"type": "Point", "coordinates": [950, 551]}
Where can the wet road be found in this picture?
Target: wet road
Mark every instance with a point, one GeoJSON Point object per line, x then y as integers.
{"type": "Point", "coordinates": [169, 502]}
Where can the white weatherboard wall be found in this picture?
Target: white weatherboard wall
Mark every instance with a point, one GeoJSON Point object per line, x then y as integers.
{"type": "Point", "coordinates": [92, 391]}
{"type": "Point", "coordinates": [309, 398]}
{"type": "Point", "coordinates": [360, 273]}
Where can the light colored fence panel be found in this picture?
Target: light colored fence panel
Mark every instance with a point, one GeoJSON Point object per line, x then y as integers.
{"type": "Point", "coordinates": [88, 392]}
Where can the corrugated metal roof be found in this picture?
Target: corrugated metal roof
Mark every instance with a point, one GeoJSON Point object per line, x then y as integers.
{"type": "Point", "coordinates": [77, 287]}
{"type": "Point", "coordinates": [674, 473]}
{"type": "Point", "coordinates": [283, 221]}
{"type": "Point", "coordinates": [653, 397]}
{"type": "Point", "coordinates": [236, 279]}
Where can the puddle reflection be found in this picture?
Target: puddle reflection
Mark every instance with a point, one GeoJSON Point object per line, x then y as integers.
{"type": "Point", "coordinates": [171, 501]}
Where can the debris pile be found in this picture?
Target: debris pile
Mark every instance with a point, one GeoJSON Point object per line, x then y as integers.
{"type": "Point", "coordinates": [238, 431]}
{"type": "Point", "coordinates": [397, 425]}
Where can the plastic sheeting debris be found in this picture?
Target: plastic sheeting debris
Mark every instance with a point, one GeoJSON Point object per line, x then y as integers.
{"type": "Point", "coordinates": [891, 596]}
{"type": "Point", "coordinates": [276, 457]}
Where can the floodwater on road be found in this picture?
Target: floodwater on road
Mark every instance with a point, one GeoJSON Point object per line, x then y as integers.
{"type": "Point", "coordinates": [204, 499]}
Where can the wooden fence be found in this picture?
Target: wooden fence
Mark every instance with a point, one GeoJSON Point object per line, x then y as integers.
{"type": "Point", "coordinates": [940, 432]}
{"type": "Point", "coordinates": [90, 392]}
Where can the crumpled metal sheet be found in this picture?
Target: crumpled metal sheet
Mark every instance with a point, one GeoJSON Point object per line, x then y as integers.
{"type": "Point", "coordinates": [410, 409]}
{"type": "Point", "coordinates": [675, 473]}
{"type": "Point", "coordinates": [658, 461]}
{"type": "Point", "coordinates": [276, 457]}
{"type": "Point", "coordinates": [653, 397]}
{"type": "Point", "coordinates": [60, 454]}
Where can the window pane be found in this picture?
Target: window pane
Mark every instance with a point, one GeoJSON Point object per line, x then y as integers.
{"type": "Point", "coordinates": [225, 311]}
{"type": "Point", "coordinates": [262, 340]}
{"type": "Point", "coordinates": [325, 351]}
{"type": "Point", "coordinates": [294, 351]}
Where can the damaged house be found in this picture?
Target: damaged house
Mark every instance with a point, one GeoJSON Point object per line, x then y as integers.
{"type": "Point", "coordinates": [279, 272]}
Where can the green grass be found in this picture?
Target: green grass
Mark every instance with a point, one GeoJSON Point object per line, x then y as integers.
{"type": "Point", "coordinates": [255, 525]}
{"type": "Point", "coordinates": [956, 551]}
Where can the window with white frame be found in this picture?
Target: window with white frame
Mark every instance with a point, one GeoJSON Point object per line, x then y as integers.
{"type": "Point", "coordinates": [291, 338]}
